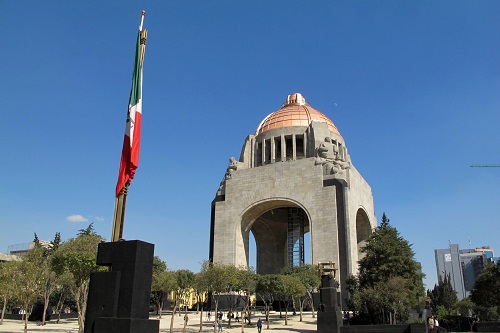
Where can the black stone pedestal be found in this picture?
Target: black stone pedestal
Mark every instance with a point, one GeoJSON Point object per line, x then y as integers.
{"type": "Point", "coordinates": [329, 315]}
{"type": "Point", "coordinates": [118, 300]}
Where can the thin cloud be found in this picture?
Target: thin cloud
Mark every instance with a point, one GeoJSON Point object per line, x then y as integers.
{"type": "Point", "coordinates": [76, 218]}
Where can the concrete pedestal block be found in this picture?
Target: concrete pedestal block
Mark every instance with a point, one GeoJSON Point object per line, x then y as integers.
{"type": "Point", "coordinates": [329, 315]}
{"type": "Point", "coordinates": [329, 322]}
{"type": "Point", "coordinates": [125, 325]}
{"type": "Point", "coordinates": [118, 300]}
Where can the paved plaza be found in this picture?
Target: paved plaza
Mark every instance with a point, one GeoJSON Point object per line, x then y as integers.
{"type": "Point", "coordinates": [277, 324]}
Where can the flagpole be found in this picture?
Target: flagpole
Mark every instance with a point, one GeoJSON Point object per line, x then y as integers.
{"type": "Point", "coordinates": [121, 199]}
{"type": "Point", "coordinates": [119, 217]}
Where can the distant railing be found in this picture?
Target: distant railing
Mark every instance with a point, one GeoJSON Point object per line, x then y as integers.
{"type": "Point", "coordinates": [19, 248]}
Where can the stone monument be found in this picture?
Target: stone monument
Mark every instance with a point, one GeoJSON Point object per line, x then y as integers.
{"type": "Point", "coordinates": [294, 179]}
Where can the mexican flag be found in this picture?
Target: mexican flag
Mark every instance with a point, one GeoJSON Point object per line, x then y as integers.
{"type": "Point", "coordinates": [132, 139]}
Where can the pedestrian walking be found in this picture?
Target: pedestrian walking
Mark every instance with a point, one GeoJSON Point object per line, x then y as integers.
{"type": "Point", "coordinates": [259, 325]}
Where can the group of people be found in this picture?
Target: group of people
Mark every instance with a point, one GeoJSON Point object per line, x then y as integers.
{"type": "Point", "coordinates": [433, 324]}
{"type": "Point", "coordinates": [230, 315]}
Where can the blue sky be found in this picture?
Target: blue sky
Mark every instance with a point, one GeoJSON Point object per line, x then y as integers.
{"type": "Point", "coordinates": [413, 86]}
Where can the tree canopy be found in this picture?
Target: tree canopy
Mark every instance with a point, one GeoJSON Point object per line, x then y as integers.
{"type": "Point", "coordinates": [77, 258]}
{"type": "Point", "coordinates": [389, 279]}
{"type": "Point", "coordinates": [486, 292]}
{"type": "Point", "coordinates": [163, 283]}
{"type": "Point", "coordinates": [308, 276]}
{"type": "Point", "coordinates": [443, 294]}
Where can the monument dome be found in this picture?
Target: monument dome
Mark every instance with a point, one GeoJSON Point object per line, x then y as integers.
{"type": "Point", "coordinates": [294, 112]}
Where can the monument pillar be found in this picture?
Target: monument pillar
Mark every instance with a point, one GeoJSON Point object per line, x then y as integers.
{"type": "Point", "coordinates": [329, 315]}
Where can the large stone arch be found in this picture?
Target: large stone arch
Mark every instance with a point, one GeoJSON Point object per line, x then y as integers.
{"type": "Point", "coordinates": [363, 230]}
{"type": "Point", "coordinates": [267, 221]}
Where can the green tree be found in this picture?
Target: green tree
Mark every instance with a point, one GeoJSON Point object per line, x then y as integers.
{"type": "Point", "coordinates": [56, 242]}
{"type": "Point", "coordinates": [400, 296]}
{"type": "Point", "coordinates": [7, 276]}
{"type": "Point", "coordinates": [78, 257]}
{"type": "Point", "coordinates": [163, 283]}
{"type": "Point", "coordinates": [352, 285]}
{"type": "Point", "coordinates": [185, 281]}
{"type": "Point", "coordinates": [388, 260]}
{"type": "Point", "coordinates": [267, 289]}
{"type": "Point", "coordinates": [237, 281]}
{"type": "Point", "coordinates": [49, 281]}
{"type": "Point", "coordinates": [219, 279]}
{"type": "Point", "coordinates": [385, 302]}
{"type": "Point", "coordinates": [48, 277]}
{"type": "Point", "coordinates": [89, 231]}
{"type": "Point", "coordinates": [159, 265]}
{"type": "Point", "coordinates": [27, 280]}
{"type": "Point", "coordinates": [61, 295]}
{"type": "Point", "coordinates": [385, 221]}
{"type": "Point", "coordinates": [201, 290]}
{"type": "Point", "coordinates": [308, 275]}
{"type": "Point", "coordinates": [247, 282]}
{"type": "Point", "coordinates": [486, 292]}
{"type": "Point", "coordinates": [443, 294]}
{"type": "Point", "coordinates": [291, 287]}
{"type": "Point", "coordinates": [466, 308]}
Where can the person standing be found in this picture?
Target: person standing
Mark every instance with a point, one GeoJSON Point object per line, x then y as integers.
{"type": "Point", "coordinates": [259, 325]}
{"type": "Point", "coordinates": [436, 324]}
{"type": "Point", "coordinates": [219, 325]}
{"type": "Point", "coordinates": [431, 324]}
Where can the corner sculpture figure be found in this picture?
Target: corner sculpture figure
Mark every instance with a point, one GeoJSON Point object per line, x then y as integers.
{"type": "Point", "coordinates": [328, 156]}
{"type": "Point", "coordinates": [232, 167]}
{"type": "Point", "coordinates": [329, 314]}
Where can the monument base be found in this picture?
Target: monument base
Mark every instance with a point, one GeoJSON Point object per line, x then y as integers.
{"type": "Point", "coordinates": [118, 300]}
{"type": "Point", "coordinates": [126, 325]}
{"type": "Point", "coordinates": [329, 322]}
{"type": "Point", "coordinates": [329, 315]}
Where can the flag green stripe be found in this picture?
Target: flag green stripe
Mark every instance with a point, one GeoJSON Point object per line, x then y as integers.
{"type": "Point", "coordinates": [136, 91]}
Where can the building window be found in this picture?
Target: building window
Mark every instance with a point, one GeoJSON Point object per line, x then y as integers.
{"type": "Point", "coordinates": [277, 149]}
{"type": "Point", "coordinates": [299, 146]}
{"type": "Point", "coordinates": [267, 146]}
{"type": "Point", "coordinates": [259, 154]}
{"type": "Point", "coordinates": [289, 148]}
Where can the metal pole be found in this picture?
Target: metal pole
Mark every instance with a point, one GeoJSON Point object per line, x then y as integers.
{"type": "Point", "coordinates": [119, 217]}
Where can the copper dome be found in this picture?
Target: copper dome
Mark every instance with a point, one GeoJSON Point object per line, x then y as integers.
{"type": "Point", "coordinates": [294, 112]}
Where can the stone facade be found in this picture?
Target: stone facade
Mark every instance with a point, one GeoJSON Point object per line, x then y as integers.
{"type": "Point", "coordinates": [300, 164]}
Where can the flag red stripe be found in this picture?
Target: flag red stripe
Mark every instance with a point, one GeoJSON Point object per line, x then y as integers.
{"type": "Point", "coordinates": [130, 155]}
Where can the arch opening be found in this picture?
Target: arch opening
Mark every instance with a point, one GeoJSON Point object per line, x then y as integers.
{"type": "Point", "coordinates": [363, 231]}
{"type": "Point", "coordinates": [277, 239]}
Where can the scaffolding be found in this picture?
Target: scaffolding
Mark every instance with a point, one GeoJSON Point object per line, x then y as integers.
{"type": "Point", "coordinates": [295, 237]}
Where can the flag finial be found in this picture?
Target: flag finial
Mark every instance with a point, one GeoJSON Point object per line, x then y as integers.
{"type": "Point", "coordinates": [142, 19]}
